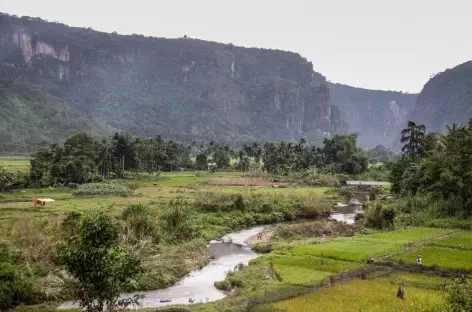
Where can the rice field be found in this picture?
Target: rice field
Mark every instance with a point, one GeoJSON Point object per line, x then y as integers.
{"type": "Point", "coordinates": [314, 263]}
{"type": "Point", "coordinates": [461, 240]}
{"type": "Point", "coordinates": [241, 182]}
{"type": "Point", "coordinates": [297, 275]}
{"type": "Point", "coordinates": [14, 164]}
{"type": "Point", "coordinates": [447, 258]}
{"type": "Point", "coordinates": [308, 270]}
{"type": "Point", "coordinates": [362, 295]}
{"type": "Point", "coordinates": [362, 247]}
{"type": "Point", "coordinates": [417, 279]}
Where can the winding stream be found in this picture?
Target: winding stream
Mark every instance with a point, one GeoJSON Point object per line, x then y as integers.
{"type": "Point", "coordinates": [346, 212]}
{"type": "Point", "coordinates": [198, 286]}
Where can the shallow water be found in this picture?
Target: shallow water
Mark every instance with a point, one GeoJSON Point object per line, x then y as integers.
{"type": "Point", "coordinates": [199, 285]}
{"type": "Point", "coordinates": [347, 213]}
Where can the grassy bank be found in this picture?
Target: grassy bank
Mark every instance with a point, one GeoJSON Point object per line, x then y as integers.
{"type": "Point", "coordinates": [167, 218]}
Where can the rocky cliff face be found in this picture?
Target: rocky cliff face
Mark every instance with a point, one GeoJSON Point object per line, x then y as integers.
{"type": "Point", "coordinates": [445, 99]}
{"type": "Point", "coordinates": [378, 116]}
{"type": "Point", "coordinates": [182, 88]}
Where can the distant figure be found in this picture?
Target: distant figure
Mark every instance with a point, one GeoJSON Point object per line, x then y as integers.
{"type": "Point", "coordinates": [322, 259]}
{"type": "Point", "coordinates": [419, 260]}
{"type": "Point", "coordinates": [259, 236]}
{"type": "Point", "coordinates": [190, 300]}
{"type": "Point", "coordinates": [401, 292]}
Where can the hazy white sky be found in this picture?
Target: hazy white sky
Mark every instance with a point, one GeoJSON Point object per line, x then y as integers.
{"type": "Point", "coordinates": [377, 44]}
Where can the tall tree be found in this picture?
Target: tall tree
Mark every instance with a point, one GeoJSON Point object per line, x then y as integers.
{"type": "Point", "coordinates": [413, 140]}
{"type": "Point", "coordinates": [102, 267]}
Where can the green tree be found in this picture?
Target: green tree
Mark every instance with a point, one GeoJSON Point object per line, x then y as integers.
{"type": "Point", "coordinates": [102, 268]}
{"type": "Point", "coordinates": [5, 178]}
{"type": "Point", "coordinates": [201, 161]}
{"type": "Point", "coordinates": [413, 140]}
{"type": "Point", "coordinates": [221, 158]}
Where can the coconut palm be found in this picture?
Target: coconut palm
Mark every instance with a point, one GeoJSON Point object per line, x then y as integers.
{"type": "Point", "coordinates": [412, 140]}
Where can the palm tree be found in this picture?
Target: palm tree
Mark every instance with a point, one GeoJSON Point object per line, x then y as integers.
{"type": "Point", "coordinates": [412, 140]}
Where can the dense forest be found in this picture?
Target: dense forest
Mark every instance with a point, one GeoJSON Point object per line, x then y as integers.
{"type": "Point", "coordinates": [436, 168]}
{"type": "Point", "coordinates": [82, 158]}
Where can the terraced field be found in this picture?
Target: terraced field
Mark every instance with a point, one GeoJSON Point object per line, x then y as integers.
{"type": "Point", "coordinates": [317, 266]}
{"type": "Point", "coordinates": [365, 296]}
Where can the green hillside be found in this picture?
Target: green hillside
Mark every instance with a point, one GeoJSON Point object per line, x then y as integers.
{"type": "Point", "coordinates": [29, 118]}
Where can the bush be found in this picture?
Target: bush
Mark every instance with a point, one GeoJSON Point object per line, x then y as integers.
{"type": "Point", "coordinates": [239, 203]}
{"type": "Point", "coordinates": [141, 222]}
{"type": "Point", "coordinates": [102, 189]}
{"type": "Point", "coordinates": [14, 287]}
{"type": "Point", "coordinates": [175, 221]}
{"type": "Point", "coordinates": [223, 285]}
{"type": "Point", "coordinates": [378, 216]}
{"type": "Point", "coordinates": [459, 295]}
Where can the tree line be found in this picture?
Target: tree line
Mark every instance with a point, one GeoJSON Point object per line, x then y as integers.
{"type": "Point", "coordinates": [438, 166]}
{"type": "Point", "coordinates": [83, 159]}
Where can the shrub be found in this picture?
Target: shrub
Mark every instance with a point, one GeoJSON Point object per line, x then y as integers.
{"type": "Point", "coordinates": [14, 287]}
{"type": "Point", "coordinates": [378, 216]}
{"type": "Point", "coordinates": [141, 222]}
{"type": "Point", "coordinates": [239, 203]}
{"type": "Point", "coordinates": [223, 285]}
{"type": "Point", "coordinates": [459, 295]}
{"type": "Point", "coordinates": [175, 221]}
{"type": "Point", "coordinates": [102, 189]}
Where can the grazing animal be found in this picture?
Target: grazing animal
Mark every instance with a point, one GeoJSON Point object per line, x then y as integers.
{"type": "Point", "coordinates": [190, 300]}
{"type": "Point", "coordinates": [38, 202]}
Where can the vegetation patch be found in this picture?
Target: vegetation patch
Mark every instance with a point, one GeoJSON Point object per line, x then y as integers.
{"type": "Point", "coordinates": [417, 280]}
{"type": "Point", "coordinates": [297, 275]}
{"type": "Point", "coordinates": [102, 189]}
{"type": "Point", "coordinates": [363, 295]}
{"type": "Point", "coordinates": [241, 182]}
{"type": "Point", "coordinates": [314, 229]}
{"type": "Point", "coordinates": [313, 263]}
{"type": "Point", "coordinates": [349, 250]}
{"type": "Point", "coordinates": [461, 240]}
{"type": "Point", "coordinates": [404, 236]}
{"type": "Point", "coordinates": [447, 258]}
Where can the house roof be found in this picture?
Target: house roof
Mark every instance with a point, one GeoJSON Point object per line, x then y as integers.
{"type": "Point", "coordinates": [373, 183]}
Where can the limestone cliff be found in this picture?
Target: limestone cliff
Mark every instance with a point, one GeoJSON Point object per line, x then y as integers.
{"type": "Point", "coordinates": [378, 116]}
{"type": "Point", "coordinates": [185, 89]}
{"type": "Point", "coordinates": [445, 99]}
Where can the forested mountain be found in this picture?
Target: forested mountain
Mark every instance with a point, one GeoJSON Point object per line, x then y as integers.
{"type": "Point", "coordinates": [445, 99]}
{"type": "Point", "coordinates": [183, 89]}
{"type": "Point", "coordinates": [29, 119]}
{"type": "Point", "coordinates": [377, 115]}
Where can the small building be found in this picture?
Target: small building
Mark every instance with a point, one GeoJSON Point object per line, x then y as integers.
{"type": "Point", "coordinates": [369, 183]}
